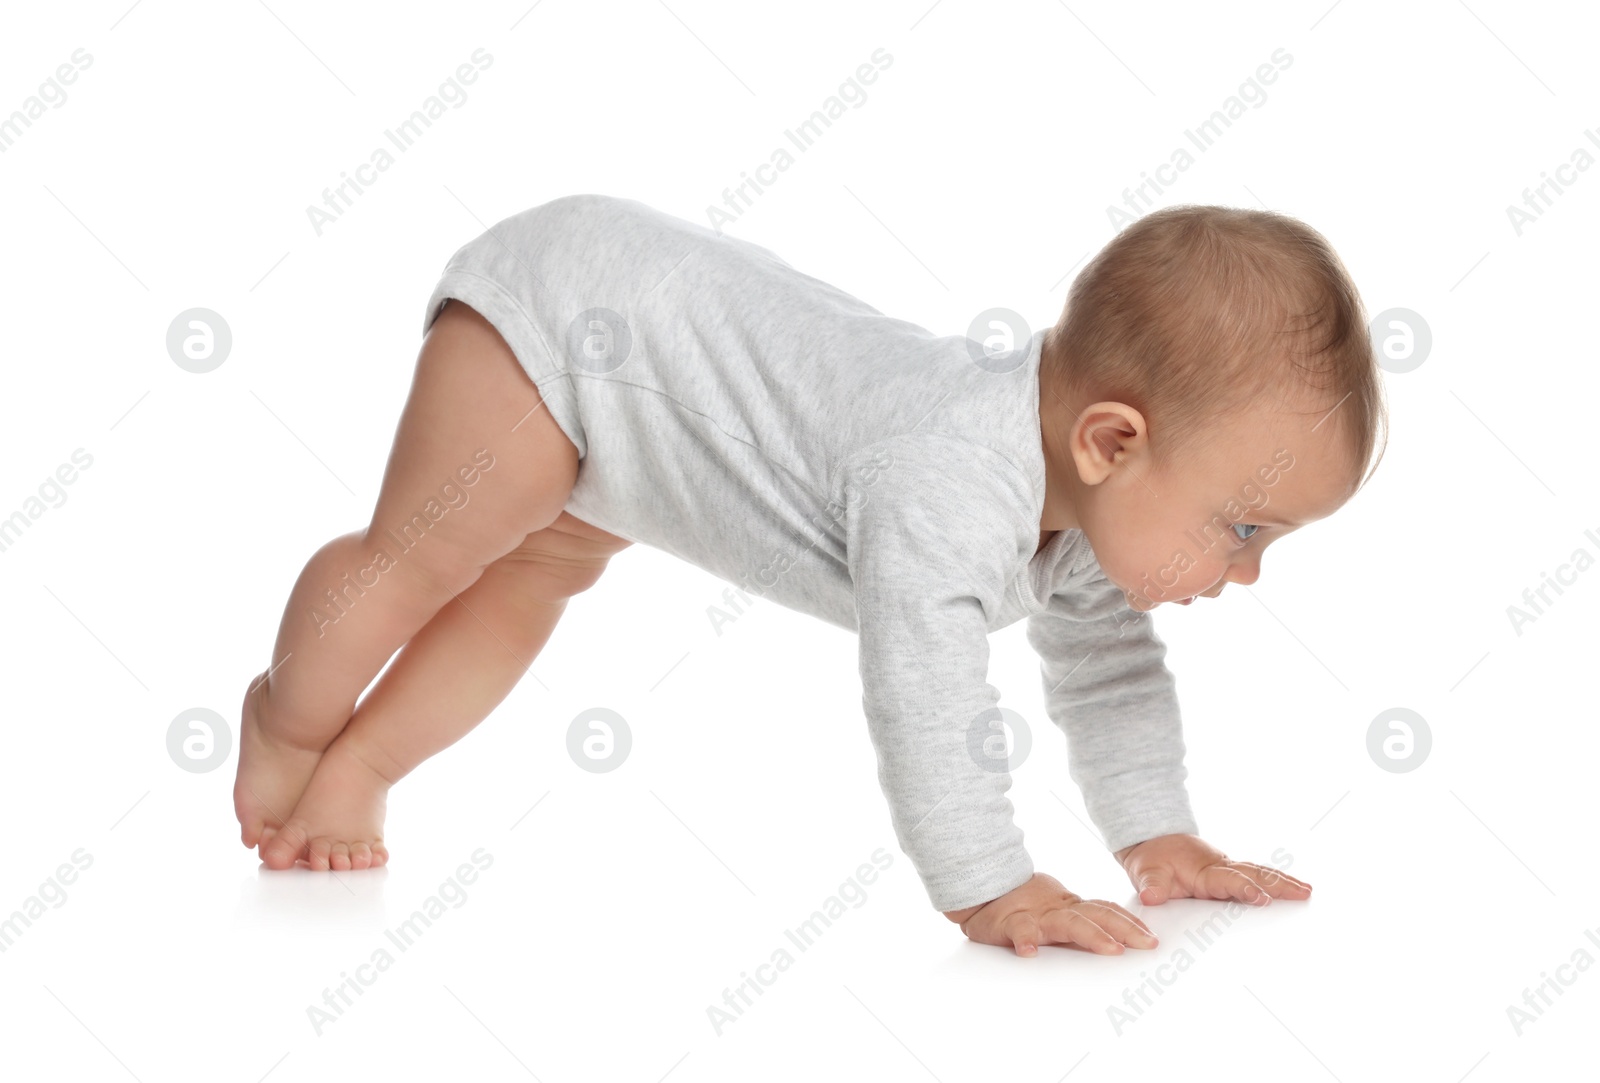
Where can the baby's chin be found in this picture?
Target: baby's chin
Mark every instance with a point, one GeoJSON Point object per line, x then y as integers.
{"type": "Point", "coordinates": [1140, 601]}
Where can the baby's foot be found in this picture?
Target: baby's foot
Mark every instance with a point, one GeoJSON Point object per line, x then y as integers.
{"type": "Point", "coordinates": [272, 773]}
{"type": "Point", "coordinates": [338, 823]}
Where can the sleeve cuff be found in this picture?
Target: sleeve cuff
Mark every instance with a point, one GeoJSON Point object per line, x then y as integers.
{"type": "Point", "coordinates": [1122, 835]}
{"type": "Point", "coordinates": [974, 887]}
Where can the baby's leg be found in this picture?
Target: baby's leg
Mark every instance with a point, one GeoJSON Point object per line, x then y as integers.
{"type": "Point", "coordinates": [447, 679]}
{"type": "Point", "coordinates": [469, 395]}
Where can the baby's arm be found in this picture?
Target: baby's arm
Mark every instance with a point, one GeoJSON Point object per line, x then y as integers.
{"type": "Point", "coordinates": [931, 549]}
{"type": "Point", "coordinates": [1108, 688]}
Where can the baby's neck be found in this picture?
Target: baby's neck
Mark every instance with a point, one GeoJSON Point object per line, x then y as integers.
{"type": "Point", "coordinates": [1055, 422]}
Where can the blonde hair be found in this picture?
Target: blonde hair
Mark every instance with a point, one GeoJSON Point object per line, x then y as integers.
{"type": "Point", "coordinates": [1193, 312]}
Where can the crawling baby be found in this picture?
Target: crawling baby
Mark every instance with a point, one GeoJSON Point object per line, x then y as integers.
{"type": "Point", "coordinates": [599, 373]}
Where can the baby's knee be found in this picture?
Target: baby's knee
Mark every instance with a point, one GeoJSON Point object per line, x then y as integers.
{"type": "Point", "coordinates": [551, 565]}
{"type": "Point", "coordinates": [539, 575]}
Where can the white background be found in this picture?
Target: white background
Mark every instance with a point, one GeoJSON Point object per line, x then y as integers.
{"type": "Point", "coordinates": [976, 174]}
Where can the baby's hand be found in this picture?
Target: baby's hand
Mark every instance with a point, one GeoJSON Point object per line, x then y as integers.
{"type": "Point", "coordinates": [1186, 867]}
{"type": "Point", "coordinates": [1043, 912]}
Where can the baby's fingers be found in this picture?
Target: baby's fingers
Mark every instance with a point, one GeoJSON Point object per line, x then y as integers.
{"type": "Point", "coordinates": [1117, 921]}
{"type": "Point", "coordinates": [1023, 929]}
{"type": "Point", "coordinates": [1277, 884]}
{"type": "Point", "coordinates": [1101, 927]}
{"type": "Point", "coordinates": [1230, 882]}
{"type": "Point", "coordinates": [1064, 925]}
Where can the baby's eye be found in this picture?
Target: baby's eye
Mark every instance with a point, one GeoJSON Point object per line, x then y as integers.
{"type": "Point", "coordinates": [1248, 526]}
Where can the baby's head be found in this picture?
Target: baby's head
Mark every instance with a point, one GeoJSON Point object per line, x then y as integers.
{"type": "Point", "coordinates": [1210, 387]}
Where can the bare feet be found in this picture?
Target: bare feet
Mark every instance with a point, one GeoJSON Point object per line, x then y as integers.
{"type": "Point", "coordinates": [272, 773]}
{"type": "Point", "coordinates": [338, 822]}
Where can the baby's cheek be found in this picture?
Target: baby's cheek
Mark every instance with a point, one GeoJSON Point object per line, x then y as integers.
{"type": "Point", "coordinates": [1173, 574]}
{"type": "Point", "coordinates": [1139, 576]}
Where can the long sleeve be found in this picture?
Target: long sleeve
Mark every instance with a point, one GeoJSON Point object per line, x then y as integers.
{"type": "Point", "coordinates": [931, 549]}
{"type": "Point", "coordinates": [1108, 687]}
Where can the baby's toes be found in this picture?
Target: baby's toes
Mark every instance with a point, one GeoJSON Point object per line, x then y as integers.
{"type": "Point", "coordinates": [339, 857]}
{"type": "Point", "coordinates": [320, 848]}
{"type": "Point", "coordinates": [380, 854]}
{"type": "Point", "coordinates": [283, 847]}
{"type": "Point", "coordinates": [360, 856]}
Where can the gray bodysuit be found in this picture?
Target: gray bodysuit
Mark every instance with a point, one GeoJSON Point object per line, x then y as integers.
{"type": "Point", "coordinates": [797, 443]}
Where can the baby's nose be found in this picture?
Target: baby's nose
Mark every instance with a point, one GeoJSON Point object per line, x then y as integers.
{"type": "Point", "coordinates": [1243, 574]}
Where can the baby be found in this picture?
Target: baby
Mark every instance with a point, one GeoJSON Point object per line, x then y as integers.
{"type": "Point", "coordinates": [595, 373]}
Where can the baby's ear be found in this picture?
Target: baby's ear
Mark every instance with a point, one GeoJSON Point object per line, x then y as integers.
{"type": "Point", "coordinates": [1105, 435]}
